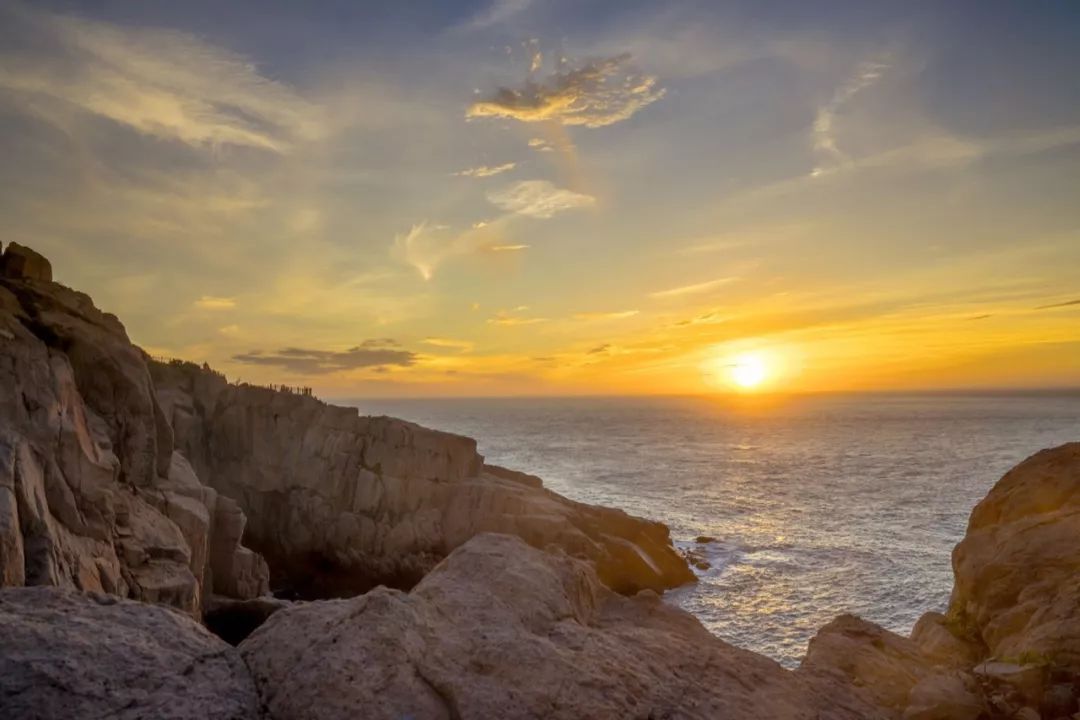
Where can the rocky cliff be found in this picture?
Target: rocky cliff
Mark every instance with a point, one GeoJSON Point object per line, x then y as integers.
{"type": "Point", "coordinates": [92, 496]}
{"type": "Point", "coordinates": [470, 590]}
{"type": "Point", "coordinates": [123, 475]}
{"type": "Point", "coordinates": [339, 502]}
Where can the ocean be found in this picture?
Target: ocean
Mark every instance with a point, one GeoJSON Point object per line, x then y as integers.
{"type": "Point", "coordinates": [820, 505]}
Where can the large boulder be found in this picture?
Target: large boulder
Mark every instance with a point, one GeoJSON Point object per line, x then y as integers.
{"type": "Point", "coordinates": [1017, 592]}
{"type": "Point", "coordinates": [501, 629]}
{"type": "Point", "coordinates": [339, 503]}
{"type": "Point", "coordinates": [66, 655]}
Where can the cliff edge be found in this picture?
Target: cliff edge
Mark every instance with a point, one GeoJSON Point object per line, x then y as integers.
{"type": "Point", "coordinates": [138, 497]}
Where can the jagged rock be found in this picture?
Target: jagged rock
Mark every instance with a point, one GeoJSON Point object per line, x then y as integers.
{"type": "Point", "coordinates": [22, 263]}
{"type": "Point", "coordinates": [852, 650]}
{"type": "Point", "coordinates": [339, 502]}
{"type": "Point", "coordinates": [1018, 567]}
{"type": "Point", "coordinates": [937, 641]}
{"type": "Point", "coordinates": [500, 629]}
{"type": "Point", "coordinates": [943, 697]}
{"type": "Point", "coordinates": [89, 496]}
{"type": "Point", "coordinates": [66, 655]}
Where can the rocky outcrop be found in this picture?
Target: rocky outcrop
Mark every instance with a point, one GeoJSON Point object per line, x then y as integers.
{"type": "Point", "coordinates": [92, 496]}
{"type": "Point", "coordinates": [130, 478]}
{"type": "Point", "coordinates": [339, 503]}
{"type": "Point", "coordinates": [500, 629]}
{"type": "Point", "coordinates": [1017, 569]}
{"type": "Point", "coordinates": [1009, 645]}
{"type": "Point", "coordinates": [65, 654]}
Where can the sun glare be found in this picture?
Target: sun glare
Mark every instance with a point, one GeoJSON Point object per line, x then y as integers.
{"type": "Point", "coordinates": [748, 372]}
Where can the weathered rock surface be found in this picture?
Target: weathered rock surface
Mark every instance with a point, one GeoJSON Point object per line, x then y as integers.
{"type": "Point", "coordinates": [91, 494]}
{"type": "Point", "coordinates": [67, 655]}
{"type": "Point", "coordinates": [339, 503]}
{"type": "Point", "coordinates": [502, 630]}
{"type": "Point", "coordinates": [1017, 569]}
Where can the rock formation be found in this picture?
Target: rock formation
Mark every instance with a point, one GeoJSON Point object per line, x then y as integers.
{"type": "Point", "coordinates": [121, 477]}
{"type": "Point", "coordinates": [339, 503]}
{"type": "Point", "coordinates": [502, 630]}
{"type": "Point", "coordinates": [65, 654]}
{"type": "Point", "coordinates": [92, 495]}
{"type": "Point", "coordinates": [1009, 645]}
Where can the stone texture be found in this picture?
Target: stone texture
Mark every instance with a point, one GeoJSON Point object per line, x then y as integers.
{"type": "Point", "coordinates": [339, 503]}
{"type": "Point", "coordinates": [90, 495]}
{"type": "Point", "coordinates": [66, 655]}
{"type": "Point", "coordinates": [502, 630]}
{"type": "Point", "coordinates": [854, 651]}
{"type": "Point", "coordinates": [1017, 569]}
{"type": "Point", "coordinates": [22, 263]}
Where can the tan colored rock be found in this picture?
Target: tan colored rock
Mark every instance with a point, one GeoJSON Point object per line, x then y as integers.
{"type": "Point", "coordinates": [943, 697]}
{"type": "Point", "coordinates": [1018, 567]}
{"type": "Point", "coordinates": [65, 655]}
{"type": "Point", "coordinates": [853, 651]}
{"type": "Point", "coordinates": [502, 630]}
{"type": "Point", "coordinates": [339, 502]}
{"type": "Point", "coordinates": [87, 494]}
{"type": "Point", "coordinates": [22, 263]}
{"type": "Point", "coordinates": [934, 637]}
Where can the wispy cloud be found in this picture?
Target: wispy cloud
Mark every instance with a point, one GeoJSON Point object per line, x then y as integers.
{"type": "Point", "coordinates": [538, 199]}
{"type": "Point", "coordinates": [1052, 306]}
{"type": "Point", "coordinates": [866, 74]}
{"type": "Point", "coordinates": [427, 246]}
{"type": "Point", "coordinates": [210, 302]}
{"type": "Point", "coordinates": [615, 315]}
{"type": "Point", "coordinates": [694, 289]}
{"type": "Point", "coordinates": [507, 248]}
{"type": "Point", "coordinates": [450, 343]}
{"type": "Point", "coordinates": [482, 171]}
{"type": "Point", "coordinates": [514, 317]}
{"type": "Point", "coordinates": [499, 11]}
{"type": "Point", "coordinates": [709, 318]}
{"type": "Point", "coordinates": [161, 83]}
{"type": "Point", "coordinates": [305, 361]}
{"type": "Point", "coordinates": [598, 93]}
{"type": "Point", "coordinates": [540, 145]}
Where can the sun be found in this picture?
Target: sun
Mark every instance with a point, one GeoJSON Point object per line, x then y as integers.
{"type": "Point", "coordinates": [748, 371]}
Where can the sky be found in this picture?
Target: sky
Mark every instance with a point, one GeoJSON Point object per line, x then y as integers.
{"type": "Point", "coordinates": [529, 197]}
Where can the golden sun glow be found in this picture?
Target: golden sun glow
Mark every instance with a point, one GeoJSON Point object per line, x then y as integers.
{"type": "Point", "coordinates": [748, 371]}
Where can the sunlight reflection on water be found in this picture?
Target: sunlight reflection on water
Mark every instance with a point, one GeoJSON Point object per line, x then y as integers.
{"type": "Point", "coordinates": [819, 505]}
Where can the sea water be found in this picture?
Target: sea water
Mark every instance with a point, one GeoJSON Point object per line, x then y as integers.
{"type": "Point", "coordinates": [819, 505]}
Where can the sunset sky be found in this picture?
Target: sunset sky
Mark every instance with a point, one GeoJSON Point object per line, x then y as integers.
{"type": "Point", "coordinates": [560, 197]}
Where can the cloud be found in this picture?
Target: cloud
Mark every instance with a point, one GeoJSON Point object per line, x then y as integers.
{"type": "Point", "coordinates": [1067, 303]}
{"type": "Point", "coordinates": [617, 315]}
{"type": "Point", "coordinates": [866, 74]}
{"type": "Point", "coordinates": [540, 145]}
{"type": "Point", "coordinates": [482, 171]}
{"type": "Point", "coordinates": [498, 12]}
{"type": "Point", "coordinates": [515, 317]}
{"type": "Point", "coordinates": [161, 83]}
{"type": "Point", "coordinates": [692, 289]}
{"type": "Point", "coordinates": [709, 318]}
{"type": "Point", "coordinates": [599, 93]}
{"type": "Point", "coordinates": [428, 246]}
{"type": "Point", "coordinates": [210, 302]}
{"type": "Point", "coordinates": [303, 361]}
{"type": "Point", "coordinates": [538, 199]}
{"type": "Point", "coordinates": [450, 343]}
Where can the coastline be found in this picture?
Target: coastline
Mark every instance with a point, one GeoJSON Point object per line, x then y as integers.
{"type": "Point", "coordinates": [468, 590]}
